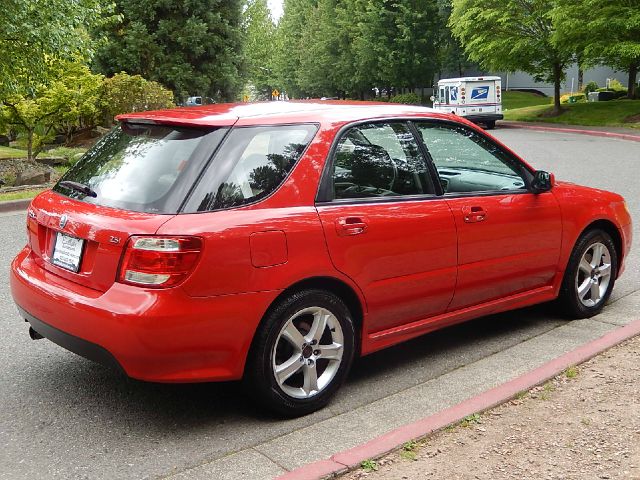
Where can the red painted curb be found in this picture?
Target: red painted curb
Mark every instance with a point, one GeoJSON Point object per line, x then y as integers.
{"type": "Point", "coordinates": [495, 396]}
{"type": "Point", "coordinates": [593, 133]}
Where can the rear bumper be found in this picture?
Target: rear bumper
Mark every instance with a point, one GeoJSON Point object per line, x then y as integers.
{"type": "Point", "coordinates": [484, 117]}
{"type": "Point", "coordinates": [152, 335]}
{"type": "Point", "coordinates": [73, 344]}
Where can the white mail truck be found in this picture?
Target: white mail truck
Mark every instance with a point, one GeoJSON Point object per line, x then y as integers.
{"type": "Point", "coordinates": [478, 99]}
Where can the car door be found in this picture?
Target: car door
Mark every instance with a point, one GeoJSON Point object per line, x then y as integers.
{"type": "Point", "coordinates": [385, 228]}
{"type": "Point", "coordinates": [508, 238]}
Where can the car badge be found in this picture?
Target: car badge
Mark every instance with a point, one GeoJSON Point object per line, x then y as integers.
{"type": "Point", "coordinates": [63, 221]}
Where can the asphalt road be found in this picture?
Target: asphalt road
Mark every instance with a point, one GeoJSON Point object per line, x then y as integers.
{"type": "Point", "coordinates": [64, 417]}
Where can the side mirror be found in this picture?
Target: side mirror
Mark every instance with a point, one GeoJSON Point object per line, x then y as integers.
{"type": "Point", "coordinates": [542, 182]}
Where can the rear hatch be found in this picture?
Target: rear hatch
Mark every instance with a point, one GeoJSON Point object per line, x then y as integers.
{"type": "Point", "coordinates": [96, 236]}
{"type": "Point", "coordinates": [130, 183]}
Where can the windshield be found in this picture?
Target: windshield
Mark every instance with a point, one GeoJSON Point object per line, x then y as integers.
{"type": "Point", "coordinates": [144, 168]}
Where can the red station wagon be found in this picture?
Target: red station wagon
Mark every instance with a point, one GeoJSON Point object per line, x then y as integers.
{"type": "Point", "coordinates": [275, 242]}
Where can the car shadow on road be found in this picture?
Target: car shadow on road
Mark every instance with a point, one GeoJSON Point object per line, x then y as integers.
{"type": "Point", "coordinates": [71, 382]}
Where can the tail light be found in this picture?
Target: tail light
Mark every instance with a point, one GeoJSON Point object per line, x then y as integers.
{"type": "Point", "coordinates": [159, 262]}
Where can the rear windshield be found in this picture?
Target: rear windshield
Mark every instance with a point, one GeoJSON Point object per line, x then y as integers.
{"type": "Point", "coordinates": [250, 165]}
{"type": "Point", "coordinates": [143, 168]}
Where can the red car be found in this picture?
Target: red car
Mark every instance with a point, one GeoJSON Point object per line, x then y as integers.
{"type": "Point", "coordinates": [275, 242]}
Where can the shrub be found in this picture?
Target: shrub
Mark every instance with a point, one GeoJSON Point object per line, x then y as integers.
{"type": "Point", "coordinates": [590, 87]}
{"type": "Point", "coordinates": [407, 99]}
{"type": "Point", "coordinates": [573, 98]}
{"type": "Point", "coordinates": [125, 93]}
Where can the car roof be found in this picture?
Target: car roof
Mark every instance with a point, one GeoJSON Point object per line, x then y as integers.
{"type": "Point", "coordinates": [225, 114]}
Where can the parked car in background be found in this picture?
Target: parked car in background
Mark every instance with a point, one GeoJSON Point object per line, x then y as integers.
{"type": "Point", "coordinates": [195, 101]}
{"type": "Point", "coordinates": [275, 242]}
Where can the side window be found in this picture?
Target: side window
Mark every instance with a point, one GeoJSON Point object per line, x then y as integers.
{"type": "Point", "coordinates": [251, 163]}
{"type": "Point", "coordinates": [379, 160]}
{"type": "Point", "coordinates": [467, 162]}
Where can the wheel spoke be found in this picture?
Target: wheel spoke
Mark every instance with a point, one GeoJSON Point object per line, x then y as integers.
{"type": "Point", "coordinates": [597, 255]}
{"type": "Point", "coordinates": [595, 291]}
{"type": "Point", "coordinates": [288, 368]}
{"type": "Point", "coordinates": [310, 379]}
{"type": "Point", "coordinates": [605, 270]}
{"type": "Point", "coordinates": [585, 266]}
{"type": "Point", "coordinates": [319, 324]}
{"type": "Point", "coordinates": [293, 336]}
{"type": "Point", "coordinates": [331, 352]}
{"type": "Point", "coordinates": [583, 289]}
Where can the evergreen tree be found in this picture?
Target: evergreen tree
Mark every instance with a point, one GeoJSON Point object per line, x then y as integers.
{"type": "Point", "coordinates": [192, 47]}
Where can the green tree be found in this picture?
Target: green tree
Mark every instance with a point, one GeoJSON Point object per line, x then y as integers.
{"type": "Point", "coordinates": [69, 101]}
{"type": "Point", "coordinates": [512, 35]}
{"type": "Point", "coordinates": [192, 47]}
{"type": "Point", "coordinates": [289, 45]}
{"type": "Point", "coordinates": [33, 32]}
{"type": "Point", "coordinates": [125, 93]}
{"type": "Point", "coordinates": [259, 46]}
{"type": "Point", "coordinates": [603, 32]}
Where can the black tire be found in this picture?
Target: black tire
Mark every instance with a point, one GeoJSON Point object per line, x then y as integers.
{"type": "Point", "coordinates": [490, 125]}
{"type": "Point", "coordinates": [260, 379]}
{"type": "Point", "coordinates": [569, 298]}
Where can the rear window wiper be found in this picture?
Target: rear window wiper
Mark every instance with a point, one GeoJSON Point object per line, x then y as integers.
{"type": "Point", "coordinates": [78, 187]}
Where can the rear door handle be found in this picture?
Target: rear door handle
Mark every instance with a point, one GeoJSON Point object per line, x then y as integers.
{"type": "Point", "coordinates": [346, 226]}
{"type": "Point", "coordinates": [474, 214]}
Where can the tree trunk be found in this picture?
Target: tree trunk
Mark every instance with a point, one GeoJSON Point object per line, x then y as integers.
{"type": "Point", "coordinates": [557, 76]}
{"type": "Point", "coordinates": [30, 144]}
{"type": "Point", "coordinates": [633, 73]}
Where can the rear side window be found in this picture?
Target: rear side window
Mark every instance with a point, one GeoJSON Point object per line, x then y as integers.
{"type": "Point", "coordinates": [250, 165]}
{"type": "Point", "coordinates": [143, 168]}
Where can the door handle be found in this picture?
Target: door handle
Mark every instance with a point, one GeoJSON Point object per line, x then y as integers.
{"type": "Point", "coordinates": [473, 214]}
{"type": "Point", "coordinates": [346, 226]}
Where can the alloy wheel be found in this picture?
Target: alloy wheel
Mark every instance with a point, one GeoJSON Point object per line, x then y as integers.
{"type": "Point", "coordinates": [593, 275]}
{"type": "Point", "coordinates": [308, 352]}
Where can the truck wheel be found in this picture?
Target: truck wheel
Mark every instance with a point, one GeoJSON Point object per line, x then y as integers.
{"type": "Point", "coordinates": [490, 125]}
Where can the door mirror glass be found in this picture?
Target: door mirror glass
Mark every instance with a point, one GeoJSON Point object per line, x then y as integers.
{"type": "Point", "coordinates": [542, 182]}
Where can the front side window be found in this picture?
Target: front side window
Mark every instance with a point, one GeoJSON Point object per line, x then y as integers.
{"type": "Point", "coordinates": [251, 164]}
{"type": "Point", "coordinates": [379, 160]}
{"type": "Point", "coordinates": [467, 162]}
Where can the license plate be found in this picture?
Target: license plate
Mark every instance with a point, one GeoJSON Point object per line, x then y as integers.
{"type": "Point", "coordinates": [67, 252]}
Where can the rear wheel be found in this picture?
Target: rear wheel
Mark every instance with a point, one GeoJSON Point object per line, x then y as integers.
{"type": "Point", "coordinates": [302, 353]}
{"type": "Point", "coordinates": [490, 125]}
{"type": "Point", "coordinates": [590, 275]}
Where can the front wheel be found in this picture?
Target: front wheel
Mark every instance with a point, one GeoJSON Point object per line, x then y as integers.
{"type": "Point", "coordinates": [590, 275]}
{"type": "Point", "coordinates": [302, 353]}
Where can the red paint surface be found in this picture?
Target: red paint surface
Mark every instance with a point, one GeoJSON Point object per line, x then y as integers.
{"type": "Point", "coordinates": [414, 265]}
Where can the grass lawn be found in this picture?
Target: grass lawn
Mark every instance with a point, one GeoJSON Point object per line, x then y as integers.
{"type": "Point", "coordinates": [19, 195]}
{"type": "Point", "coordinates": [610, 114]}
{"type": "Point", "coordinates": [7, 152]}
{"type": "Point", "coordinates": [512, 99]}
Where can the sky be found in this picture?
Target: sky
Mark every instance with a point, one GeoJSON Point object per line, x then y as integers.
{"type": "Point", "coordinates": [276, 8]}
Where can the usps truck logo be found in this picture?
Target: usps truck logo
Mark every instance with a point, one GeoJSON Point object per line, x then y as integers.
{"type": "Point", "coordinates": [454, 93]}
{"type": "Point", "coordinates": [480, 93]}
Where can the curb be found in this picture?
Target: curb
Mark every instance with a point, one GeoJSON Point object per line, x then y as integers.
{"type": "Point", "coordinates": [593, 133]}
{"type": "Point", "coordinates": [15, 205]}
{"type": "Point", "coordinates": [342, 461]}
